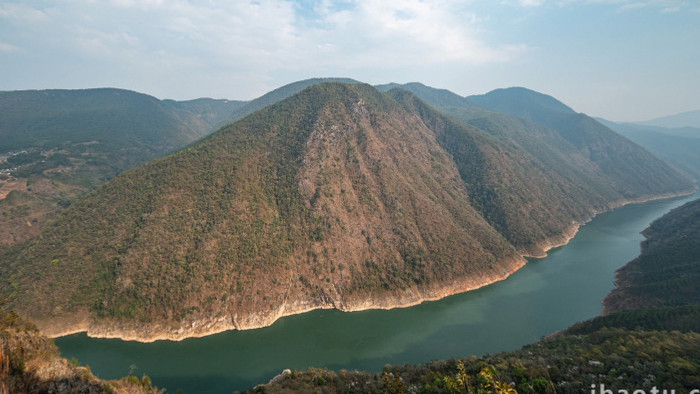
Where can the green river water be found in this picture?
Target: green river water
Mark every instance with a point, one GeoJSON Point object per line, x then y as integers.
{"type": "Point", "coordinates": [547, 295]}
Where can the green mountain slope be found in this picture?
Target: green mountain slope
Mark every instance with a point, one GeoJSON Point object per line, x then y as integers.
{"type": "Point", "coordinates": [589, 168]}
{"type": "Point", "coordinates": [628, 165]}
{"type": "Point", "coordinates": [644, 347]}
{"type": "Point", "coordinates": [441, 99]}
{"type": "Point", "coordinates": [215, 113]}
{"type": "Point", "coordinates": [522, 102]}
{"type": "Point", "coordinates": [57, 144]}
{"type": "Point", "coordinates": [328, 199]}
{"type": "Point", "coordinates": [670, 259]}
{"type": "Point", "coordinates": [527, 201]}
{"type": "Point", "coordinates": [678, 147]}
{"type": "Point", "coordinates": [117, 119]}
{"type": "Point", "coordinates": [281, 93]}
{"type": "Point", "coordinates": [339, 196]}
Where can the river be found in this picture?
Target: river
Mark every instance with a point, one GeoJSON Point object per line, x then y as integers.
{"type": "Point", "coordinates": [545, 296]}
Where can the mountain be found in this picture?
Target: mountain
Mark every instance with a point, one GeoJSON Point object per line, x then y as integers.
{"type": "Point", "coordinates": [337, 197]}
{"type": "Point", "coordinates": [608, 151]}
{"type": "Point", "coordinates": [56, 145]}
{"type": "Point", "coordinates": [442, 99]}
{"type": "Point", "coordinates": [215, 113]}
{"type": "Point", "coordinates": [678, 147]}
{"type": "Point", "coordinates": [586, 164]}
{"type": "Point", "coordinates": [647, 338]}
{"type": "Point", "coordinates": [670, 259]}
{"type": "Point", "coordinates": [114, 118]}
{"type": "Point", "coordinates": [522, 102]}
{"type": "Point", "coordinates": [325, 199]}
{"type": "Point", "coordinates": [684, 119]}
{"type": "Point", "coordinates": [281, 93]}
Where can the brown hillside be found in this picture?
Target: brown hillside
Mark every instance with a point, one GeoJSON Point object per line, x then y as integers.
{"type": "Point", "coordinates": [338, 197]}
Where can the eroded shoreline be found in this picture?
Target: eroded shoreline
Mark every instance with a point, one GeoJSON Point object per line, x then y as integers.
{"type": "Point", "coordinates": [198, 329]}
{"type": "Point", "coordinates": [202, 328]}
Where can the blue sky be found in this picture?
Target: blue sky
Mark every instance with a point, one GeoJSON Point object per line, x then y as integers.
{"type": "Point", "coordinates": [620, 59]}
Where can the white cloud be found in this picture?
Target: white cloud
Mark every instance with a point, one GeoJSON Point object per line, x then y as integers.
{"type": "Point", "coordinates": [666, 6]}
{"type": "Point", "coordinates": [240, 49]}
{"type": "Point", "coordinates": [7, 47]}
{"type": "Point", "coordinates": [225, 39]}
{"type": "Point", "coordinates": [531, 3]}
{"type": "Point", "coordinates": [21, 12]}
{"type": "Point", "coordinates": [400, 33]}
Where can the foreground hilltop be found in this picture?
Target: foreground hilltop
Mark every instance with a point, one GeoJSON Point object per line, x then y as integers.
{"type": "Point", "coordinates": [338, 197]}
{"type": "Point", "coordinates": [31, 363]}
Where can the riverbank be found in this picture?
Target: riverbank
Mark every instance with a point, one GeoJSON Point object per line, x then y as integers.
{"type": "Point", "coordinates": [542, 297]}
{"type": "Point", "coordinates": [570, 233]}
{"type": "Point", "coordinates": [411, 297]}
{"type": "Point", "coordinates": [147, 333]}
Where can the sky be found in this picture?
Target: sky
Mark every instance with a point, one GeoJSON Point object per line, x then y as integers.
{"type": "Point", "coordinates": [623, 60]}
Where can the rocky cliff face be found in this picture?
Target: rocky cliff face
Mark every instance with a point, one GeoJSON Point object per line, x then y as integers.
{"type": "Point", "coordinates": [30, 363]}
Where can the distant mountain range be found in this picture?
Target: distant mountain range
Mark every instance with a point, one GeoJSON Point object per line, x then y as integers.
{"type": "Point", "coordinates": [112, 119]}
{"type": "Point", "coordinates": [55, 145]}
{"type": "Point", "coordinates": [571, 146]}
{"type": "Point", "coordinates": [679, 147]}
{"type": "Point", "coordinates": [333, 195]}
{"type": "Point", "coordinates": [677, 121]}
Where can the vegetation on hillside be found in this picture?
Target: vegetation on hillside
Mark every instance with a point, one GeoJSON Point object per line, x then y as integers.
{"type": "Point", "coordinates": [585, 165]}
{"type": "Point", "coordinates": [280, 94]}
{"type": "Point", "coordinates": [30, 363]}
{"type": "Point", "coordinates": [617, 359]}
{"type": "Point", "coordinates": [678, 147]}
{"type": "Point", "coordinates": [667, 271]}
{"type": "Point", "coordinates": [56, 145]}
{"type": "Point", "coordinates": [335, 196]}
{"type": "Point", "coordinates": [636, 349]}
{"type": "Point", "coordinates": [329, 195]}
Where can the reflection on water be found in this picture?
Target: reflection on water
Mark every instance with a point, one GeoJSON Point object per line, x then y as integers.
{"type": "Point", "coordinates": [545, 296]}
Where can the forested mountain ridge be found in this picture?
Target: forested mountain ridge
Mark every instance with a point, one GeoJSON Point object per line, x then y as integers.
{"type": "Point", "coordinates": [279, 94]}
{"type": "Point", "coordinates": [627, 164]}
{"type": "Point", "coordinates": [588, 166]}
{"type": "Point", "coordinates": [339, 196]}
{"type": "Point", "coordinates": [522, 102]}
{"type": "Point", "coordinates": [57, 144]}
{"type": "Point", "coordinates": [113, 117]}
{"type": "Point", "coordinates": [215, 112]}
{"type": "Point", "coordinates": [670, 259]}
{"type": "Point", "coordinates": [330, 198]}
{"type": "Point", "coordinates": [679, 147]}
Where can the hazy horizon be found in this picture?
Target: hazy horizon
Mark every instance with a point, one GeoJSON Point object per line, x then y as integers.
{"type": "Point", "coordinates": [623, 60]}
